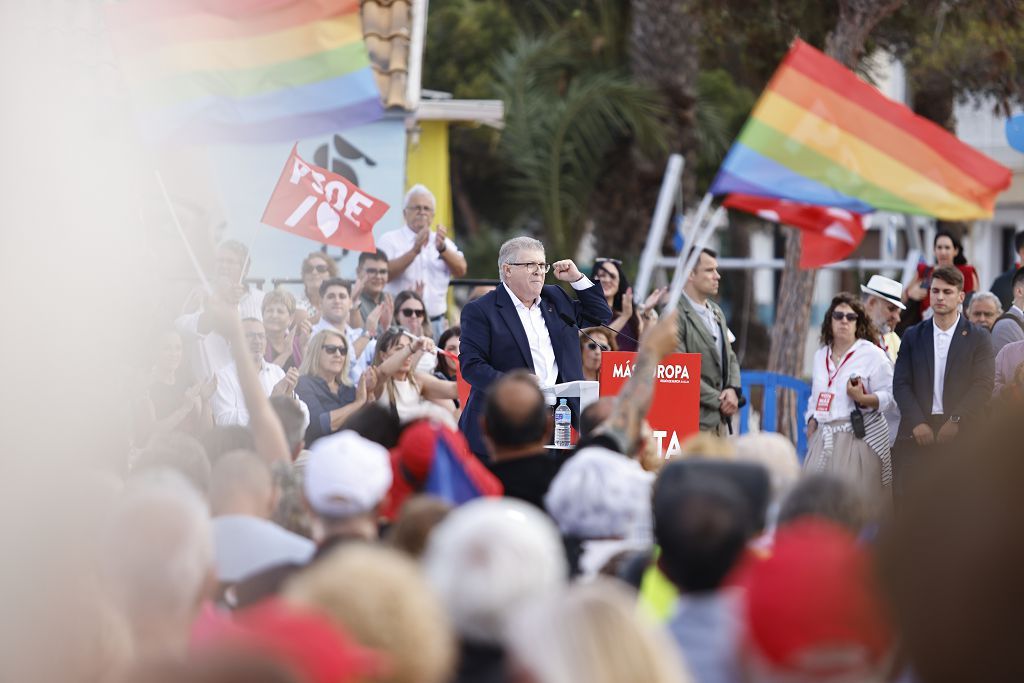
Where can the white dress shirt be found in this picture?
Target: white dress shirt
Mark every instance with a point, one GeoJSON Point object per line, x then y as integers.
{"type": "Point", "coordinates": [537, 336]}
{"type": "Point", "coordinates": [941, 339]}
{"type": "Point", "coordinates": [428, 267]}
{"type": "Point", "coordinates": [227, 401]}
{"type": "Point", "coordinates": [868, 362]}
{"type": "Point", "coordinates": [209, 352]}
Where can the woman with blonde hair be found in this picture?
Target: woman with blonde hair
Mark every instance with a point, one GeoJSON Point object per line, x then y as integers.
{"type": "Point", "coordinates": [590, 633]}
{"type": "Point", "coordinates": [379, 596]}
{"type": "Point", "coordinates": [324, 385]}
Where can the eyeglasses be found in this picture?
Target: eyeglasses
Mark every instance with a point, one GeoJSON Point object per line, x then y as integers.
{"type": "Point", "coordinates": [320, 268]}
{"type": "Point", "coordinates": [376, 271]}
{"type": "Point", "coordinates": [839, 315]}
{"type": "Point", "coordinates": [335, 350]}
{"type": "Point", "coordinates": [410, 312]}
{"type": "Point", "coordinates": [534, 267]}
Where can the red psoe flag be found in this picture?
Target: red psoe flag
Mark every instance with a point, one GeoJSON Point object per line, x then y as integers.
{"type": "Point", "coordinates": [314, 203]}
{"type": "Point", "coordinates": [830, 234]}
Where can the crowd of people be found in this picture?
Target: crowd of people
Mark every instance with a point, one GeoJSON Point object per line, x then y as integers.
{"type": "Point", "coordinates": [310, 500]}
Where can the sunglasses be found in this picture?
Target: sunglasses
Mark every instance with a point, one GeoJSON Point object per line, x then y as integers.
{"type": "Point", "coordinates": [602, 259]}
{"type": "Point", "coordinates": [335, 350]}
{"type": "Point", "coordinates": [593, 346]}
{"type": "Point", "coordinates": [839, 315]}
{"type": "Point", "coordinates": [410, 312]}
{"type": "Point", "coordinates": [321, 268]}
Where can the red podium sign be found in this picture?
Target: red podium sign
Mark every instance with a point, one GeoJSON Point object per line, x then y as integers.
{"type": "Point", "coordinates": [675, 407]}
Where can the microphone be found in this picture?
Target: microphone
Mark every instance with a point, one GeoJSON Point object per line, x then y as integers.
{"type": "Point", "coordinates": [598, 322]}
{"type": "Point", "coordinates": [572, 323]}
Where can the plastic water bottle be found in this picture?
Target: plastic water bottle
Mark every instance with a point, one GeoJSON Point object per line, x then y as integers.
{"type": "Point", "coordinates": [563, 425]}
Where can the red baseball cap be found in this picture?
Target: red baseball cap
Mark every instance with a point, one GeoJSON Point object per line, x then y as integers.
{"type": "Point", "coordinates": [306, 641]}
{"type": "Point", "coordinates": [811, 607]}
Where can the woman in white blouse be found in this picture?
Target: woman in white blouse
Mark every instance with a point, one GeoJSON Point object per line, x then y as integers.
{"type": "Point", "coordinates": [852, 387]}
{"type": "Point", "coordinates": [411, 394]}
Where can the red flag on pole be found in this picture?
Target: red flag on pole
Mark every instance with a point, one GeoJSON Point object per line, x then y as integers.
{"type": "Point", "coordinates": [830, 234]}
{"type": "Point", "coordinates": [314, 203]}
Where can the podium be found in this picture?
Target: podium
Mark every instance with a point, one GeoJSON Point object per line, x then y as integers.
{"type": "Point", "coordinates": [675, 405]}
{"type": "Point", "coordinates": [585, 391]}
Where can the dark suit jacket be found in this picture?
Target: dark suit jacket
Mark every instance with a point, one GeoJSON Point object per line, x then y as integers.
{"type": "Point", "coordinates": [970, 368]}
{"type": "Point", "coordinates": [1002, 287]}
{"type": "Point", "coordinates": [494, 342]}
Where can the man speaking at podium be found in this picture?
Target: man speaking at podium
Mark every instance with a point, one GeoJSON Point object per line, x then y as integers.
{"type": "Point", "coordinates": [524, 323]}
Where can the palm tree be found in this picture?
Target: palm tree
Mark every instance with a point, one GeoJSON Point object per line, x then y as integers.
{"type": "Point", "coordinates": [564, 113]}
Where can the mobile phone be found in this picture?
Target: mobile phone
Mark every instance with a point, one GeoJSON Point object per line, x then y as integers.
{"type": "Point", "coordinates": [857, 420]}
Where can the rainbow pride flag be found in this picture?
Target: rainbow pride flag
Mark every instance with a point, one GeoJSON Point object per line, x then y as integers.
{"type": "Point", "coordinates": [244, 71]}
{"type": "Point", "coordinates": [820, 135]}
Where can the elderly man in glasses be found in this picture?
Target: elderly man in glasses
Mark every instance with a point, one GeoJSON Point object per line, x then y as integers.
{"type": "Point", "coordinates": [416, 260]}
{"type": "Point", "coordinates": [228, 403]}
{"type": "Point", "coordinates": [526, 324]}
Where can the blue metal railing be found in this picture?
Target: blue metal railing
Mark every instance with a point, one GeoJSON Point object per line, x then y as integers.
{"type": "Point", "coordinates": [772, 382]}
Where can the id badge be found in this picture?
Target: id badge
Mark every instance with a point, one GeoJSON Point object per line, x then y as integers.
{"type": "Point", "coordinates": [825, 401]}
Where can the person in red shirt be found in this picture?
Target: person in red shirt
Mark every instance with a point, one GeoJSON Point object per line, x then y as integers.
{"type": "Point", "coordinates": [948, 252]}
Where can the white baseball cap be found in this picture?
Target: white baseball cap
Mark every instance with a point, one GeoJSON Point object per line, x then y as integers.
{"type": "Point", "coordinates": [885, 288]}
{"type": "Point", "coordinates": [346, 475]}
{"type": "Point", "coordinates": [599, 493]}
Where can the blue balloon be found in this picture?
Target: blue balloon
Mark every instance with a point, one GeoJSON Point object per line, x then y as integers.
{"type": "Point", "coordinates": [1015, 132]}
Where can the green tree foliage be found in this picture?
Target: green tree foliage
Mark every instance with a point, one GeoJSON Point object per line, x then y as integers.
{"type": "Point", "coordinates": [722, 108]}
{"type": "Point", "coordinates": [562, 118]}
{"type": "Point", "coordinates": [748, 39]}
{"type": "Point", "coordinates": [959, 51]}
{"type": "Point", "coordinates": [464, 38]}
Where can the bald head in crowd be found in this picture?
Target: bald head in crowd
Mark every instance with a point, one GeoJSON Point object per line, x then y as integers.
{"type": "Point", "coordinates": [158, 560]}
{"type": "Point", "coordinates": [516, 419]}
{"type": "Point", "coordinates": [242, 484]}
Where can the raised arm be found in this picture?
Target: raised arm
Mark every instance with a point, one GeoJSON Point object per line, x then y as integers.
{"type": "Point", "coordinates": [271, 443]}
{"type": "Point", "coordinates": [633, 402]}
{"type": "Point", "coordinates": [434, 388]}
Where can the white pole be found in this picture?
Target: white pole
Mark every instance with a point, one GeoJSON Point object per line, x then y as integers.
{"type": "Point", "coordinates": [690, 228]}
{"type": "Point", "coordinates": [694, 228]}
{"type": "Point", "coordinates": [181, 232]}
{"type": "Point", "coordinates": [700, 240]}
{"type": "Point", "coordinates": [656, 232]}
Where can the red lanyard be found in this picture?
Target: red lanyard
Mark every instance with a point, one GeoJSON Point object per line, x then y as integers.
{"type": "Point", "coordinates": [832, 375]}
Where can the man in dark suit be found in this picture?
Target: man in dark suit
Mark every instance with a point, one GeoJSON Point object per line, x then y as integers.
{"type": "Point", "coordinates": [1002, 286]}
{"type": "Point", "coordinates": [523, 324]}
{"type": "Point", "coordinates": [943, 377]}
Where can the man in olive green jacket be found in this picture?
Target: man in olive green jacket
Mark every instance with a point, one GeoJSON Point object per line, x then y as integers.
{"type": "Point", "coordinates": [702, 330]}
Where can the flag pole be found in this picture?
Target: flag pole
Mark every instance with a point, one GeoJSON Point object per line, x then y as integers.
{"type": "Point", "coordinates": [181, 233]}
{"type": "Point", "coordinates": [683, 267]}
{"type": "Point", "coordinates": [699, 242]}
